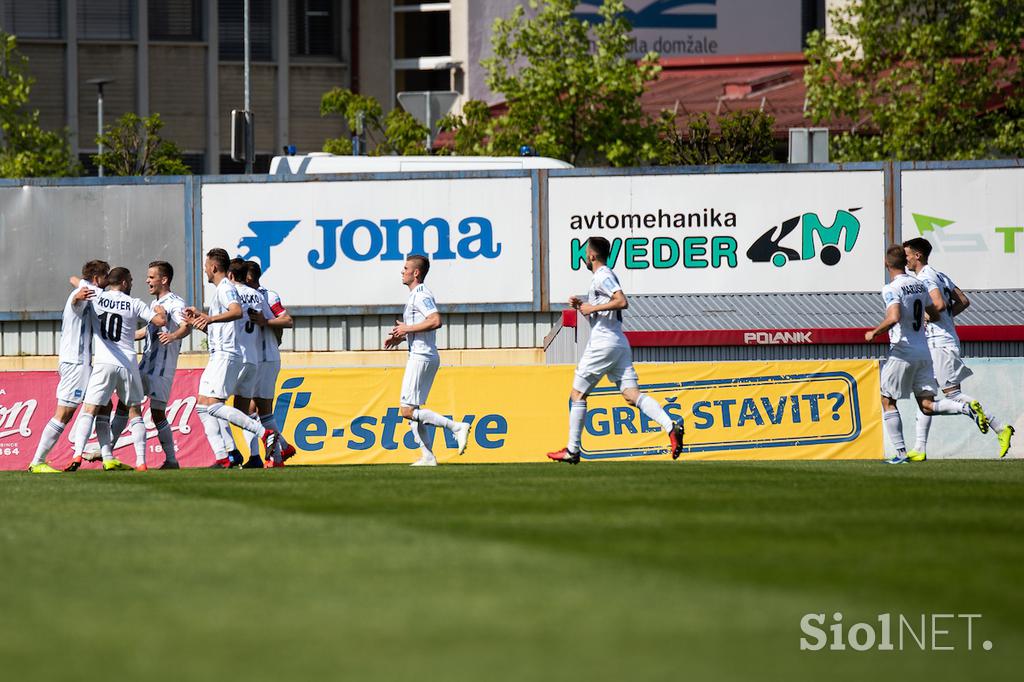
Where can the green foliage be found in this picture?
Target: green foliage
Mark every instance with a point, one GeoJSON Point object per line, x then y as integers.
{"type": "Point", "coordinates": [133, 146]}
{"type": "Point", "coordinates": [471, 129]}
{"type": "Point", "coordinates": [396, 133]}
{"type": "Point", "coordinates": [921, 80]}
{"type": "Point", "coordinates": [744, 137]}
{"type": "Point", "coordinates": [26, 150]}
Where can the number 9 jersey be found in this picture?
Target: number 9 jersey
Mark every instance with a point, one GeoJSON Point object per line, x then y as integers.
{"type": "Point", "coordinates": [907, 338]}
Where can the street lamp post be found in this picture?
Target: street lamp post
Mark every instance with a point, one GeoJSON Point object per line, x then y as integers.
{"type": "Point", "coordinates": [99, 83]}
{"type": "Point", "coordinates": [247, 76]}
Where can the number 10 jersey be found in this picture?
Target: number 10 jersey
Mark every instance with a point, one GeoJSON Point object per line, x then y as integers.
{"type": "Point", "coordinates": [114, 324]}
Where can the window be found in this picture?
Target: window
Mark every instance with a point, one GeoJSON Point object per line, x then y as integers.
{"type": "Point", "coordinates": [176, 20]}
{"type": "Point", "coordinates": [35, 19]}
{"type": "Point", "coordinates": [106, 19]}
{"type": "Point", "coordinates": [232, 30]}
{"type": "Point", "coordinates": [421, 57]}
{"type": "Point", "coordinates": [314, 28]}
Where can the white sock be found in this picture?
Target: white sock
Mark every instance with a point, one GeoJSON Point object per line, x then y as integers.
{"type": "Point", "coordinates": [894, 427]}
{"type": "Point", "coordinates": [211, 426]}
{"type": "Point", "coordinates": [653, 410]}
{"type": "Point", "coordinates": [104, 436]}
{"type": "Point", "coordinates": [922, 425]}
{"type": "Point", "coordinates": [117, 424]}
{"type": "Point", "coordinates": [947, 406]}
{"type": "Point", "coordinates": [577, 413]}
{"type": "Point", "coordinates": [426, 438]}
{"type": "Point", "coordinates": [434, 419]}
{"type": "Point", "coordinates": [995, 424]}
{"type": "Point", "coordinates": [51, 434]}
{"type": "Point", "coordinates": [236, 417]}
{"type": "Point", "coordinates": [138, 430]}
{"type": "Point", "coordinates": [166, 436]}
{"type": "Point", "coordinates": [83, 429]}
{"type": "Point", "coordinates": [225, 435]}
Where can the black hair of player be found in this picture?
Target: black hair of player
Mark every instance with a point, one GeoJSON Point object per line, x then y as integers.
{"type": "Point", "coordinates": [601, 248]}
{"type": "Point", "coordinates": [921, 245]}
{"type": "Point", "coordinates": [119, 276]}
{"type": "Point", "coordinates": [220, 259]}
{"type": "Point", "coordinates": [95, 268]}
{"type": "Point", "coordinates": [238, 270]}
{"type": "Point", "coordinates": [255, 271]}
{"type": "Point", "coordinates": [421, 263]}
{"type": "Point", "coordinates": [896, 257]}
{"type": "Point", "coordinates": [164, 268]}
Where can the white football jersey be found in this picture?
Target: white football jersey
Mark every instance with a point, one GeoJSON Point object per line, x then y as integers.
{"type": "Point", "coordinates": [941, 333]}
{"type": "Point", "coordinates": [117, 318]}
{"type": "Point", "coordinates": [76, 331]}
{"type": "Point", "coordinates": [158, 359]}
{"type": "Point", "coordinates": [421, 304]}
{"type": "Point", "coordinates": [221, 335]}
{"type": "Point", "coordinates": [274, 308]}
{"type": "Point", "coordinates": [247, 332]}
{"type": "Point", "coordinates": [605, 326]}
{"type": "Point", "coordinates": [906, 338]}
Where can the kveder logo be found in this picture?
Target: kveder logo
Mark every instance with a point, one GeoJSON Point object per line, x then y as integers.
{"type": "Point", "coordinates": [364, 240]}
{"type": "Point", "coordinates": [845, 228]}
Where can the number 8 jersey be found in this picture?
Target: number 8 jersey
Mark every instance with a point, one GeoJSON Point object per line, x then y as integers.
{"type": "Point", "coordinates": [117, 318]}
{"type": "Point", "coordinates": [907, 338]}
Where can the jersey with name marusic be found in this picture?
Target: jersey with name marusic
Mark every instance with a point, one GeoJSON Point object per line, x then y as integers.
{"type": "Point", "coordinates": [248, 333]}
{"type": "Point", "coordinates": [906, 338]}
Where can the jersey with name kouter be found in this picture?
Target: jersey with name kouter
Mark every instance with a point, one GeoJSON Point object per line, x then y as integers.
{"type": "Point", "coordinates": [248, 333]}
{"type": "Point", "coordinates": [76, 331]}
{"type": "Point", "coordinates": [158, 359]}
{"type": "Point", "coordinates": [274, 308]}
{"type": "Point", "coordinates": [117, 318]}
{"type": "Point", "coordinates": [906, 338]}
{"type": "Point", "coordinates": [421, 304]}
{"type": "Point", "coordinates": [606, 325]}
{"type": "Point", "coordinates": [221, 335]}
{"type": "Point", "coordinates": [941, 333]}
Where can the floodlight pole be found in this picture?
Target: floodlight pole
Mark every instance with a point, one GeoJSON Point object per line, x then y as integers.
{"type": "Point", "coordinates": [249, 137]}
{"type": "Point", "coordinates": [99, 83]}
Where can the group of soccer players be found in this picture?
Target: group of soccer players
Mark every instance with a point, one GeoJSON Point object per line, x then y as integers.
{"type": "Point", "coordinates": [244, 322]}
{"type": "Point", "coordinates": [98, 359]}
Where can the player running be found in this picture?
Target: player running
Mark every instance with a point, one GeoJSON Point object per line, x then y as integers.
{"type": "Point", "coordinates": [608, 354]}
{"type": "Point", "coordinates": [221, 374]}
{"type": "Point", "coordinates": [909, 367]}
{"type": "Point", "coordinates": [75, 361]}
{"type": "Point", "coordinates": [419, 322]}
{"type": "Point", "coordinates": [944, 346]}
{"type": "Point", "coordinates": [262, 408]}
{"type": "Point", "coordinates": [116, 368]}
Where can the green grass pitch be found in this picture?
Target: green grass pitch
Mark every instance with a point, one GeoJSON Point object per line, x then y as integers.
{"type": "Point", "coordinates": [507, 572]}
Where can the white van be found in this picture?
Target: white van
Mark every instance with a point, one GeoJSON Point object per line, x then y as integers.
{"type": "Point", "coordinates": [321, 162]}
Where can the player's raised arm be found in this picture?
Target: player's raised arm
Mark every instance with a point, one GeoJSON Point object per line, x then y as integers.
{"type": "Point", "coordinates": [960, 302]}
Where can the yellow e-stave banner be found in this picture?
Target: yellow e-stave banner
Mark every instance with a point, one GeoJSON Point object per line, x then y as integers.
{"type": "Point", "coordinates": [732, 411]}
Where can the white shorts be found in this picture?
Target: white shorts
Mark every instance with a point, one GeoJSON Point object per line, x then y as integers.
{"type": "Point", "coordinates": [220, 376]}
{"type": "Point", "coordinates": [266, 385]}
{"type": "Point", "coordinates": [903, 378]}
{"type": "Point", "coordinates": [950, 369]}
{"type": "Point", "coordinates": [109, 379]}
{"type": "Point", "coordinates": [419, 376]}
{"type": "Point", "coordinates": [614, 361]}
{"type": "Point", "coordinates": [157, 388]}
{"type": "Point", "coordinates": [248, 375]}
{"type": "Point", "coordinates": [74, 379]}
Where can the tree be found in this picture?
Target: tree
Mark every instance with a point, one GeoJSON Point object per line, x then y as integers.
{"type": "Point", "coordinates": [743, 137]}
{"type": "Point", "coordinates": [133, 146]}
{"type": "Point", "coordinates": [935, 79]}
{"type": "Point", "coordinates": [572, 89]}
{"type": "Point", "coordinates": [26, 150]}
{"type": "Point", "coordinates": [396, 133]}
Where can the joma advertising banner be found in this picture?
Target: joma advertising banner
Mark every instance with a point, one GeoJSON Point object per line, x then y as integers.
{"type": "Point", "coordinates": [752, 410]}
{"type": "Point", "coordinates": [974, 219]}
{"type": "Point", "coordinates": [726, 233]}
{"type": "Point", "coordinates": [344, 243]}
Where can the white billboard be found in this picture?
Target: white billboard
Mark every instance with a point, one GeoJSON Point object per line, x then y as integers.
{"type": "Point", "coordinates": [335, 244]}
{"type": "Point", "coordinates": [721, 233]}
{"type": "Point", "coordinates": [974, 220]}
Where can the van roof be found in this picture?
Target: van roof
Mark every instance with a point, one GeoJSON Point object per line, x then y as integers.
{"type": "Point", "coordinates": [329, 163]}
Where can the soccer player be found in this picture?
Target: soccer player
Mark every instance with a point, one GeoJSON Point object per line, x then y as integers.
{"type": "Point", "coordinates": [608, 354]}
{"type": "Point", "coordinates": [116, 368]}
{"type": "Point", "coordinates": [221, 374]}
{"type": "Point", "coordinates": [75, 361]}
{"type": "Point", "coordinates": [419, 323]}
{"type": "Point", "coordinates": [944, 346]}
{"type": "Point", "coordinates": [278, 320]}
{"type": "Point", "coordinates": [159, 359]}
{"type": "Point", "coordinates": [909, 367]}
